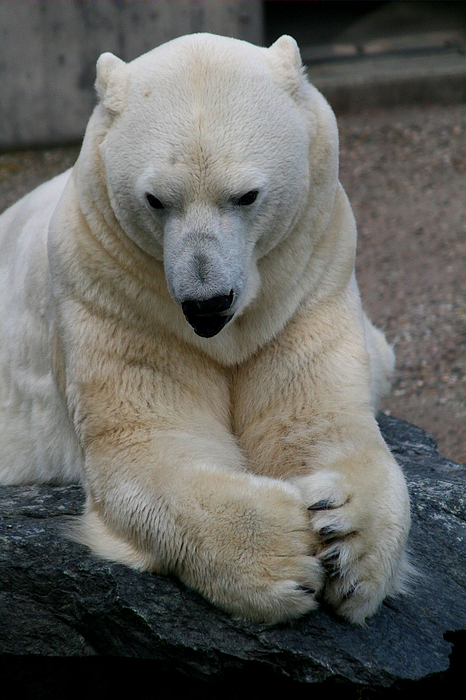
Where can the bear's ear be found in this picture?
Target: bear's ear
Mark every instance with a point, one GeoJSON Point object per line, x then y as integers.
{"type": "Point", "coordinates": [287, 63]}
{"type": "Point", "coordinates": [111, 82]}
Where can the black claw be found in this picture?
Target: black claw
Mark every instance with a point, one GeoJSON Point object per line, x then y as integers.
{"type": "Point", "coordinates": [305, 588]}
{"type": "Point", "coordinates": [330, 564]}
{"type": "Point", "coordinates": [350, 592]}
{"type": "Point", "coordinates": [332, 572]}
{"type": "Point", "coordinates": [331, 556]}
{"type": "Point", "coordinates": [328, 530]}
{"type": "Point", "coordinates": [321, 505]}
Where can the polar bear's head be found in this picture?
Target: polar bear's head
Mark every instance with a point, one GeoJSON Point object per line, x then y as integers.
{"type": "Point", "coordinates": [205, 145]}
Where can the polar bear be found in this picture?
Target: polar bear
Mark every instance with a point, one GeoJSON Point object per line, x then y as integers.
{"type": "Point", "coordinates": [182, 332]}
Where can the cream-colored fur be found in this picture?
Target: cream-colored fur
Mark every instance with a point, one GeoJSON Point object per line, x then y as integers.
{"type": "Point", "coordinates": [248, 463]}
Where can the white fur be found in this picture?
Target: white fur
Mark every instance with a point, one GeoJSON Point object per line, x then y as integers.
{"type": "Point", "coordinates": [200, 456]}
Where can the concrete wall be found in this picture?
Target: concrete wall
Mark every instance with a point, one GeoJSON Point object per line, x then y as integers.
{"type": "Point", "coordinates": [48, 51]}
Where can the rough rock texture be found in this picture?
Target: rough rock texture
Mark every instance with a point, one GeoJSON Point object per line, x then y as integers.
{"type": "Point", "coordinates": [58, 600]}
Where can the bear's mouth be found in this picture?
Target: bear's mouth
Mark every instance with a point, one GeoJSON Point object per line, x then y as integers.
{"type": "Point", "coordinates": [208, 325]}
{"type": "Point", "coordinates": [209, 316]}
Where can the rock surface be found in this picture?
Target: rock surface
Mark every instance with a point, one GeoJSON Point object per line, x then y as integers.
{"type": "Point", "coordinates": [58, 600]}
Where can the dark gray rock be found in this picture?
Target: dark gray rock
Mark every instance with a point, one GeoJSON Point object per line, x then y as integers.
{"type": "Point", "coordinates": [65, 615]}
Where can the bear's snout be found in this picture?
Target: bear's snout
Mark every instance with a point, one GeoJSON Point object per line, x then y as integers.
{"type": "Point", "coordinates": [208, 316]}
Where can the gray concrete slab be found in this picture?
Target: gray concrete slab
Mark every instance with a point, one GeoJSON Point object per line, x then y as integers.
{"type": "Point", "coordinates": [385, 81]}
{"type": "Point", "coordinates": [48, 52]}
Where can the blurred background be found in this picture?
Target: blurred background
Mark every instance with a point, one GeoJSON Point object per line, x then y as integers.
{"type": "Point", "coordinates": [395, 74]}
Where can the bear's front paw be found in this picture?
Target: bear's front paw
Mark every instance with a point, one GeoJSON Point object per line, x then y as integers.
{"type": "Point", "coordinates": [256, 557]}
{"type": "Point", "coordinates": [362, 534]}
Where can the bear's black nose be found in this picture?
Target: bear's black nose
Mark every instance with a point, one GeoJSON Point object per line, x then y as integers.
{"type": "Point", "coordinates": [208, 316]}
{"type": "Point", "coordinates": [215, 305]}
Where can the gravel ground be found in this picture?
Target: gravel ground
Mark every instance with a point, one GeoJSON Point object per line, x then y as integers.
{"type": "Point", "coordinates": [404, 170]}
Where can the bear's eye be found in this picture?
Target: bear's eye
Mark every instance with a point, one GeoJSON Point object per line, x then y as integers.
{"type": "Point", "coordinates": [248, 198]}
{"type": "Point", "coordinates": [154, 202]}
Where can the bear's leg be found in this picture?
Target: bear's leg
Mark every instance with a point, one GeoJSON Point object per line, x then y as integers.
{"type": "Point", "coordinates": [167, 492]}
{"type": "Point", "coordinates": [303, 412]}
